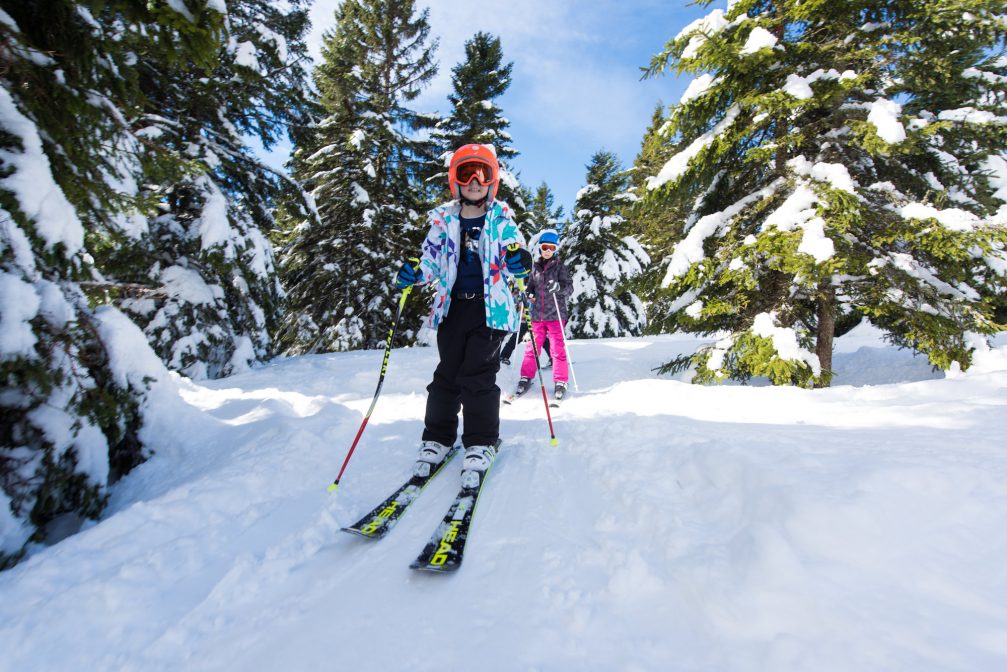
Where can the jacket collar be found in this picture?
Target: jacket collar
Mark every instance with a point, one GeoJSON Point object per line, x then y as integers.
{"type": "Point", "coordinates": [455, 208]}
{"type": "Point", "coordinates": [543, 262]}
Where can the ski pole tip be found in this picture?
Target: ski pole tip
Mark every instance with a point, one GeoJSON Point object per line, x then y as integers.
{"type": "Point", "coordinates": [334, 487]}
{"type": "Point", "coordinates": [554, 441]}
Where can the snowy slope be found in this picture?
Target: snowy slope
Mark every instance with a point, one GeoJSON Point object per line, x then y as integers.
{"type": "Point", "coordinates": [675, 527]}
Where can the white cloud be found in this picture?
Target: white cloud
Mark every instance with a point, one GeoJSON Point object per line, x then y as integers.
{"type": "Point", "coordinates": [561, 79]}
{"type": "Point", "coordinates": [603, 102]}
{"type": "Point", "coordinates": [524, 39]}
{"type": "Point", "coordinates": [573, 84]}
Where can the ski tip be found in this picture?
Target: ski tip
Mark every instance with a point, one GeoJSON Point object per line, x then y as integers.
{"type": "Point", "coordinates": [433, 569]}
{"type": "Point", "coordinates": [360, 533]}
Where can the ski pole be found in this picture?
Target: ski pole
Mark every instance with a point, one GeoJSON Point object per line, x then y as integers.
{"type": "Point", "coordinates": [381, 380]}
{"type": "Point", "coordinates": [553, 441]}
{"type": "Point", "coordinates": [566, 342]}
{"type": "Point", "coordinates": [541, 381]}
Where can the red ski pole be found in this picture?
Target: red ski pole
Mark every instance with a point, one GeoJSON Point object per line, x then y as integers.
{"type": "Point", "coordinates": [381, 380]}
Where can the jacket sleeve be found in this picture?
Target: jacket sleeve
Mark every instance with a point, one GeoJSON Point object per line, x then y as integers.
{"type": "Point", "coordinates": [430, 261]}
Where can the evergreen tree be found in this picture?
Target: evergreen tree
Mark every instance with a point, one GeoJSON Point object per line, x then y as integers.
{"type": "Point", "coordinates": [657, 225]}
{"type": "Point", "coordinates": [476, 119]}
{"type": "Point", "coordinates": [601, 257]}
{"type": "Point", "coordinates": [542, 214]}
{"type": "Point", "coordinates": [362, 167]}
{"type": "Point", "coordinates": [218, 296]}
{"type": "Point", "coordinates": [75, 385]}
{"type": "Point", "coordinates": [834, 160]}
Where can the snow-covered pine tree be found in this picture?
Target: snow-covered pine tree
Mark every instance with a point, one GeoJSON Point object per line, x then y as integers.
{"type": "Point", "coordinates": [76, 379]}
{"type": "Point", "coordinates": [475, 118]}
{"type": "Point", "coordinates": [657, 227]}
{"type": "Point", "coordinates": [603, 259]}
{"type": "Point", "coordinates": [542, 212]}
{"type": "Point", "coordinates": [362, 166]}
{"type": "Point", "coordinates": [219, 297]}
{"type": "Point", "coordinates": [835, 160]}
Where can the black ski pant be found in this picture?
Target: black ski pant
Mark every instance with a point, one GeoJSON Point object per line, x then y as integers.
{"type": "Point", "coordinates": [465, 378]}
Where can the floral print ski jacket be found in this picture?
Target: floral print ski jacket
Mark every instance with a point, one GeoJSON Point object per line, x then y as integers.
{"type": "Point", "coordinates": [440, 262]}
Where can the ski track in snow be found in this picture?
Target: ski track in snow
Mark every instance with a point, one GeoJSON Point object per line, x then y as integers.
{"type": "Point", "coordinates": [673, 527]}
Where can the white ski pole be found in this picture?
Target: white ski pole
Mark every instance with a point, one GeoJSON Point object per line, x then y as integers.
{"type": "Point", "coordinates": [566, 341]}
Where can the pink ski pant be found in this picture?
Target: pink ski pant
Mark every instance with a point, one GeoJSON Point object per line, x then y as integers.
{"type": "Point", "coordinates": [553, 329]}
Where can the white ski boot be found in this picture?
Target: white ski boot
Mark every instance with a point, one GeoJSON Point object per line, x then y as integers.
{"type": "Point", "coordinates": [477, 460]}
{"type": "Point", "coordinates": [431, 454]}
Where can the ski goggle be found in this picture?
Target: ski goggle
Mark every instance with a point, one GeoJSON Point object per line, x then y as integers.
{"type": "Point", "coordinates": [479, 172]}
{"type": "Point", "coordinates": [547, 246]}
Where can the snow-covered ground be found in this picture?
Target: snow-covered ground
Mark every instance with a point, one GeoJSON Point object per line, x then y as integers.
{"type": "Point", "coordinates": [675, 527]}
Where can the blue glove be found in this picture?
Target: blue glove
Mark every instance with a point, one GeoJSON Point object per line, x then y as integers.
{"type": "Point", "coordinates": [408, 275]}
{"type": "Point", "coordinates": [518, 262]}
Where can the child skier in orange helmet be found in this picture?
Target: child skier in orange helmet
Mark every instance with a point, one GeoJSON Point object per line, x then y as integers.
{"type": "Point", "coordinates": [466, 255]}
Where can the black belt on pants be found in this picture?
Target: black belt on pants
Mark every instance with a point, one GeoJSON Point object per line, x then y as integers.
{"type": "Point", "coordinates": [467, 296]}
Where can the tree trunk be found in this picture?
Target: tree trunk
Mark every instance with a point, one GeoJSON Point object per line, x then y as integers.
{"type": "Point", "coordinates": [826, 329]}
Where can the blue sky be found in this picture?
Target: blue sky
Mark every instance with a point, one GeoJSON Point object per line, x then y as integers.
{"type": "Point", "coordinates": [576, 81]}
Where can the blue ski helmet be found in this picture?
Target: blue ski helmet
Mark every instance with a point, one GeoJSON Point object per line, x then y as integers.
{"type": "Point", "coordinates": [549, 236]}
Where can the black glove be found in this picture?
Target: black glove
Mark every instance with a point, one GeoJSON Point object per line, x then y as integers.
{"type": "Point", "coordinates": [408, 275]}
{"type": "Point", "coordinates": [518, 262]}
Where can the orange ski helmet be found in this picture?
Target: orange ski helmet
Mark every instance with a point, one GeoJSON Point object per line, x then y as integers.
{"type": "Point", "coordinates": [474, 154]}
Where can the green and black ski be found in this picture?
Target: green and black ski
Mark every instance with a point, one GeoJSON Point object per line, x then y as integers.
{"type": "Point", "coordinates": [385, 515]}
{"type": "Point", "coordinates": [446, 548]}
